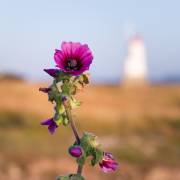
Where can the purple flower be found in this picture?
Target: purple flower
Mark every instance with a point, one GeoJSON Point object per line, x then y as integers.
{"type": "Point", "coordinates": [75, 151]}
{"type": "Point", "coordinates": [108, 164]}
{"type": "Point", "coordinates": [52, 72]}
{"type": "Point", "coordinates": [51, 125]}
{"type": "Point", "coordinates": [73, 58]}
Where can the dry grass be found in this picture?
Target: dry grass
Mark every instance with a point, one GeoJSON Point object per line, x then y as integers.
{"type": "Point", "coordinates": [140, 125]}
{"type": "Point", "coordinates": [109, 103]}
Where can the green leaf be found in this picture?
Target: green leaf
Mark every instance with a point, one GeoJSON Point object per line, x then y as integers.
{"type": "Point", "coordinates": [66, 87]}
{"type": "Point", "coordinates": [85, 144]}
{"type": "Point", "coordinates": [62, 76]}
{"type": "Point", "coordinates": [53, 94]}
{"type": "Point", "coordinates": [97, 156]}
{"type": "Point", "coordinates": [76, 177]}
{"type": "Point", "coordinates": [90, 146]}
{"type": "Point", "coordinates": [74, 103]}
{"type": "Point", "coordinates": [59, 120]}
{"type": "Point", "coordinates": [63, 178]}
{"type": "Point", "coordinates": [91, 140]}
{"type": "Point", "coordinates": [65, 121]}
{"type": "Point", "coordinates": [71, 177]}
{"type": "Point", "coordinates": [61, 109]}
{"type": "Point", "coordinates": [81, 160]}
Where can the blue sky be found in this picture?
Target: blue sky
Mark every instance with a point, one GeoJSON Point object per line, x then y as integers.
{"type": "Point", "coordinates": [31, 30]}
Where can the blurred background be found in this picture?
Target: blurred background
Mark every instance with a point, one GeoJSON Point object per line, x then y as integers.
{"type": "Point", "coordinates": [132, 104]}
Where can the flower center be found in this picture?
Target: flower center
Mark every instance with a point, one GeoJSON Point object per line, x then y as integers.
{"type": "Point", "coordinates": [72, 64]}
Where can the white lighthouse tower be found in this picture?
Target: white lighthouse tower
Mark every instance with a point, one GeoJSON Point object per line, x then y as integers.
{"type": "Point", "coordinates": [135, 67]}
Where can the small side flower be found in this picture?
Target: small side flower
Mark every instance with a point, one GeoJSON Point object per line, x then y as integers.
{"type": "Point", "coordinates": [108, 164]}
{"type": "Point", "coordinates": [51, 125]}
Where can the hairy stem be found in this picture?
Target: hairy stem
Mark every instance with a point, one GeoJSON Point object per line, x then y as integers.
{"type": "Point", "coordinates": [79, 170]}
{"type": "Point", "coordinates": [73, 126]}
{"type": "Point", "coordinates": [74, 129]}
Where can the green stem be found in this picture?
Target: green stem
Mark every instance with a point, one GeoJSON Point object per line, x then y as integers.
{"type": "Point", "coordinates": [74, 129]}
{"type": "Point", "coordinates": [73, 126]}
{"type": "Point", "coordinates": [79, 170]}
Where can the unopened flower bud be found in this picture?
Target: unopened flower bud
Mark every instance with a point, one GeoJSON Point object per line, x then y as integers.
{"type": "Point", "coordinates": [45, 90]}
{"type": "Point", "coordinates": [75, 151]}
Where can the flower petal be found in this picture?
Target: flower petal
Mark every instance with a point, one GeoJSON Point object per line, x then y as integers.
{"type": "Point", "coordinates": [108, 164]}
{"type": "Point", "coordinates": [67, 48]}
{"type": "Point", "coordinates": [59, 57]}
{"type": "Point", "coordinates": [47, 121]}
{"type": "Point", "coordinates": [82, 50]}
{"type": "Point", "coordinates": [75, 47]}
{"type": "Point", "coordinates": [52, 127]}
{"type": "Point", "coordinates": [52, 72]}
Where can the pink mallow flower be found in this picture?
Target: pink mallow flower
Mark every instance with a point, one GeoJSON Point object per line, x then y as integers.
{"type": "Point", "coordinates": [108, 164]}
{"type": "Point", "coordinates": [51, 125]}
{"type": "Point", "coordinates": [73, 58]}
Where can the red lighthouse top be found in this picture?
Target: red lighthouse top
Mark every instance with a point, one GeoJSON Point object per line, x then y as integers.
{"type": "Point", "coordinates": [135, 39]}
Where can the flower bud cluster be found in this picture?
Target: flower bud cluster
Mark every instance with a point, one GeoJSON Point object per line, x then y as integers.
{"type": "Point", "coordinates": [62, 91]}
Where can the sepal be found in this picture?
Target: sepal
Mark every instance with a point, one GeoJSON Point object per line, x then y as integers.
{"type": "Point", "coordinates": [81, 160]}
{"type": "Point", "coordinates": [90, 146]}
{"type": "Point", "coordinates": [97, 156]}
{"type": "Point", "coordinates": [74, 103]}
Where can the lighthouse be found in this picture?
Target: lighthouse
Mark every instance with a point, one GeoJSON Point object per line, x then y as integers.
{"type": "Point", "coordinates": [135, 64]}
